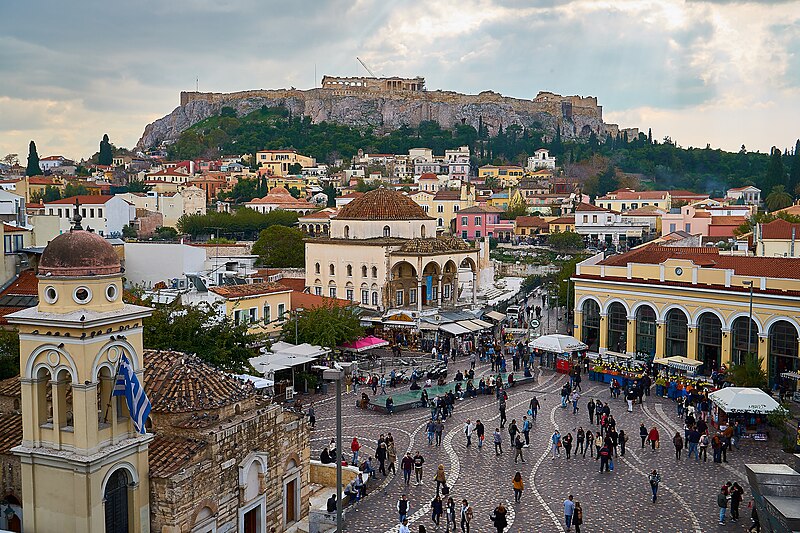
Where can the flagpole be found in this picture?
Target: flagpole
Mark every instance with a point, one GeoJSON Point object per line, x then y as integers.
{"type": "Point", "coordinates": [111, 394]}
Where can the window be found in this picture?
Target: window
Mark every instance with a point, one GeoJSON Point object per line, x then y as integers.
{"type": "Point", "coordinates": [237, 316]}
{"type": "Point", "coordinates": [398, 298]}
{"type": "Point", "coordinates": [477, 234]}
{"type": "Point", "coordinates": [440, 208]}
{"type": "Point", "coordinates": [463, 221]}
{"type": "Point", "coordinates": [591, 324]}
{"type": "Point", "coordinates": [464, 234]}
{"type": "Point", "coordinates": [617, 327]}
{"type": "Point", "coordinates": [740, 338]}
{"type": "Point", "coordinates": [477, 221]}
{"type": "Point", "coordinates": [677, 333]}
{"type": "Point", "coordinates": [100, 212]}
{"type": "Point", "coordinates": [317, 268]}
{"type": "Point", "coordinates": [440, 222]}
{"type": "Point", "coordinates": [375, 298]}
{"type": "Point", "coordinates": [455, 208]}
{"type": "Point", "coordinates": [281, 310]}
{"type": "Point", "coordinates": [412, 296]}
{"type": "Point", "coordinates": [646, 330]}
{"type": "Point", "coordinates": [594, 219]}
{"type": "Point", "coordinates": [7, 244]}
{"type": "Point", "coordinates": [318, 291]}
{"type": "Point", "coordinates": [387, 231]}
{"type": "Point", "coordinates": [363, 271]}
{"type": "Point", "coordinates": [374, 272]}
{"type": "Point", "coordinates": [332, 292]}
{"type": "Point", "coordinates": [347, 232]}
{"type": "Point", "coordinates": [252, 316]}
{"type": "Point", "coordinates": [59, 212]}
{"type": "Point", "coordinates": [332, 269]}
{"type": "Point", "coordinates": [688, 227]}
{"type": "Point", "coordinates": [365, 297]}
{"type": "Point", "coordinates": [91, 212]}
{"type": "Point", "coordinates": [349, 294]}
{"type": "Point", "coordinates": [446, 291]}
{"type": "Point", "coordinates": [267, 313]}
{"type": "Point", "coordinates": [423, 231]}
{"type": "Point", "coordinates": [350, 271]}
{"type": "Point", "coordinates": [709, 340]}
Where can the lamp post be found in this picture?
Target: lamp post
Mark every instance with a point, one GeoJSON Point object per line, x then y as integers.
{"type": "Point", "coordinates": [749, 283]}
{"type": "Point", "coordinates": [337, 374]}
{"type": "Point", "coordinates": [296, 314]}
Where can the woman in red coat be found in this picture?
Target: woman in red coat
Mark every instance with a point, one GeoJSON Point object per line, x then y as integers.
{"type": "Point", "coordinates": [653, 438]}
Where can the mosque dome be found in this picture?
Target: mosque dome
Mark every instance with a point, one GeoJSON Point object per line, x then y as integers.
{"type": "Point", "coordinates": [79, 253]}
{"type": "Point", "coordinates": [382, 204]}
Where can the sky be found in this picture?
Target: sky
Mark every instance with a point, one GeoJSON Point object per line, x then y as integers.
{"type": "Point", "coordinates": [720, 72]}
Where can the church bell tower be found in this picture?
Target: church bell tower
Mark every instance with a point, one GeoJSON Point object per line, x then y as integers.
{"type": "Point", "coordinates": [84, 466]}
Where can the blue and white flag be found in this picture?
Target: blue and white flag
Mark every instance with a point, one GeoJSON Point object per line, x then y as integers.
{"type": "Point", "coordinates": [127, 384]}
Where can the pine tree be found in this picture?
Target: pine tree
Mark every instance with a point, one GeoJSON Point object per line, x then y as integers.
{"type": "Point", "coordinates": [106, 156]}
{"type": "Point", "coordinates": [776, 172]}
{"type": "Point", "coordinates": [794, 174]}
{"type": "Point", "coordinates": [649, 136]}
{"type": "Point", "coordinates": [33, 161]}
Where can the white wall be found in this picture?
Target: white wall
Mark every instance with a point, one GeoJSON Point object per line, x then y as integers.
{"type": "Point", "coordinates": [147, 263]}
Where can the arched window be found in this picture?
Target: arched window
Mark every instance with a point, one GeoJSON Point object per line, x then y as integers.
{"type": "Point", "coordinates": [350, 270]}
{"type": "Point", "coordinates": [782, 349]}
{"type": "Point", "coordinates": [374, 272]}
{"type": "Point", "coordinates": [387, 231]}
{"type": "Point", "coordinates": [591, 324]}
{"type": "Point", "coordinates": [347, 232]}
{"type": "Point", "coordinates": [116, 502]}
{"type": "Point", "coordinates": [677, 333]}
{"type": "Point", "coordinates": [363, 271]}
{"type": "Point", "coordinates": [740, 337]}
{"type": "Point", "coordinates": [316, 268]}
{"type": "Point", "coordinates": [375, 298]}
{"type": "Point", "coordinates": [422, 231]}
{"type": "Point", "coordinates": [332, 269]}
{"type": "Point", "coordinates": [617, 327]}
{"type": "Point", "coordinates": [646, 330]}
{"type": "Point", "coordinates": [709, 341]}
{"type": "Point", "coordinates": [64, 393]}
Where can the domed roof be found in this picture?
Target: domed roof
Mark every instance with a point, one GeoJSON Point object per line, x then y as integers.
{"type": "Point", "coordinates": [382, 204]}
{"type": "Point", "coordinates": [79, 253]}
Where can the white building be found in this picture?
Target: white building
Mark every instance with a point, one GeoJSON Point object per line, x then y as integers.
{"type": "Point", "coordinates": [12, 208]}
{"type": "Point", "coordinates": [541, 160]}
{"type": "Point", "coordinates": [104, 214]}
{"type": "Point", "coordinates": [602, 225]}
{"type": "Point", "coordinates": [188, 201]}
{"type": "Point", "coordinates": [50, 162]}
{"type": "Point", "coordinates": [748, 195]}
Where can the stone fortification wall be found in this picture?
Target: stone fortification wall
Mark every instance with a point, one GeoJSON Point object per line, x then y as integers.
{"type": "Point", "coordinates": [576, 116]}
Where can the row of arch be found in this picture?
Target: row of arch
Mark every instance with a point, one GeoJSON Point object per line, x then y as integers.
{"type": "Point", "coordinates": [739, 335]}
{"type": "Point", "coordinates": [348, 270]}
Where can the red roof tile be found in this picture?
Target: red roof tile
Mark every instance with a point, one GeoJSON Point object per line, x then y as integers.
{"type": "Point", "coordinates": [382, 204]}
{"type": "Point", "coordinates": [84, 199]}
{"type": "Point", "coordinates": [728, 221]}
{"type": "Point", "coordinates": [311, 301]}
{"type": "Point", "coordinates": [531, 222]}
{"type": "Point", "coordinates": [250, 289]}
{"type": "Point", "coordinates": [12, 432]}
{"type": "Point", "coordinates": [167, 454]}
{"type": "Point", "coordinates": [780, 229]}
{"type": "Point", "coordinates": [26, 284]}
{"type": "Point", "coordinates": [589, 207]}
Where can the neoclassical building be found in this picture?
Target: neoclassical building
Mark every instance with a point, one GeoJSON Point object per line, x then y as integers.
{"type": "Point", "coordinates": [383, 253]}
{"type": "Point", "coordinates": [693, 302]}
{"type": "Point", "coordinates": [217, 455]}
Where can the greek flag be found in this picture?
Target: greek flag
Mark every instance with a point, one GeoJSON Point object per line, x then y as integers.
{"type": "Point", "coordinates": [127, 384]}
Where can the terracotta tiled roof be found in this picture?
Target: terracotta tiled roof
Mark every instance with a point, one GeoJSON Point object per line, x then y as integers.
{"type": "Point", "coordinates": [179, 383]}
{"type": "Point", "coordinates": [354, 194]}
{"type": "Point", "coordinates": [10, 387]}
{"type": "Point", "coordinates": [382, 204]}
{"type": "Point", "coordinates": [708, 256]}
{"type": "Point", "coordinates": [728, 221]}
{"type": "Point", "coordinates": [168, 454]}
{"type": "Point", "coordinates": [589, 207]}
{"type": "Point", "coordinates": [428, 176]}
{"type": "Point", "coordinates": [12, 432]}
{"type": "Point", "coordinates": [564, 220]}
{"type": "Point", "coordinates": [645, 211]}
{"type": "Point", "coordinates": [480, 210]}
{"type": "Point", "coordinates": [296, 284]}
{"type": "Point", "coordinates": [791, 210]}
{"type": "Point", "coordinates": [780, 229]}
{"type": "Point", "coordinates": [311, 301]}
{"type": "Point", "coordinates": [83, 199]}
{"type": "Point", "coordinates": [283, 198]}
{"type": "Point", "coordinates": [531, 222]}
{"type": "Point", "coordinates": [41, 180]}
{"type": "Point", "coordinates": [636, 195]}
{"type": "Point", "coordinates": [446, 194]}
{"type": "Point", "coordinates": [680, 193]}
{"type": "Point", "coordinates": [250, 289]}
{"type": "Point", "coordinates": [26, 284]}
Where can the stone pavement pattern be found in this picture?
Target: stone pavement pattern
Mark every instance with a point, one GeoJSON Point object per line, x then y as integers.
{"type": "Point", "coordinates": [617, 501]}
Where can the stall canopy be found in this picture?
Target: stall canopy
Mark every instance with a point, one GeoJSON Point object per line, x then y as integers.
{"type": "Point", "coordinates": [285, 355]}
{"type": "Point", "coordinates": [743, 400]}
{"type": "Point", "coordinates": [679, 362]}
{"type": "Point", "coordinates": [494, 315]}
{"type": "Point", "coordinates": [791, 375]}
{"type": "Point", "coordinates": [558, 343]}
{"type": "Point", "coordinates": [453, 329]}
{"type": "Point", "coordinates": [260, 383]}
{"type": "Point", "coordinates": [470, 325]}
{"type": "Point", "coordinates": [362, 345]}
{"type": "Point", "coordinates": [484, 325]}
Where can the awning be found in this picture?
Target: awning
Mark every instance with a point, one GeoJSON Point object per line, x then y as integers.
{"type": "Point", "coordinates": [260, 383]}
{"type": "Point", "coordinates": [484, 325]}
{"type": "Point", "coordinates": [679, 362]}
{"type": "Point", "coordinates": [364, 344]}
{"type": "Point", "coordinates": [791, 375]}
{"type": "Point", "coordinates": [453, 329]}
{"type": "Point", "coordinates": [558, 343]}
{"type": "Point", "coordinates": [428, 326]}
{"type": "Point", "coordinates": [272, 363]}
{"type": "Point", "coordinates": [744, 400]}
{"type": "Point", "coordinates": [469, 325]}
{"type": "Point", "coordinates": [494, 315]}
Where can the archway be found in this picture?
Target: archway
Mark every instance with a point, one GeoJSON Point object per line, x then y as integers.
{"type": "Point", "coordinates": [430, 282]}
{"type": "Point", "coordinates": [591, 325]}
{"type": "Point", "coordinates": [677, 336]}
{"type": "Point", "coordinates": [782, 349]}
{"type": "Point", "coordinates": [709, 341]}
{"type": "Point", "coordinates": [116, 502]}
{"type": "Point", "coordinates": [739, 339]}
{"type": "Point", "coordinates": [403, 284]}
{"type": "Point", "coordinates": [646, 330]}
{"type": "Point", "coordinates": [617, 318]}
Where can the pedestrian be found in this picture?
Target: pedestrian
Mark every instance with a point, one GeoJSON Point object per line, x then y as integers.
{"type": "Point", "coordinates": [518, 445]}
{"type": "Point", "coordinates": [466, 516]}
{"type": "Point", "coordinates": [756, 526]}
{"type": "Point", "coordinates": [498, 442]}
{"type": "Point", "coordinates": [391, 456]}
{"type": "Point", "coordinates": [418, 462]}
{"type": "Point", "coordinates": [404, 526]}
{"type": "Point", "coordinates": [604, 454]}
{"type": "Point", "coordinates": [590, 408]}
{"type": "Point", "coordinates": [677, 441]}
{"type": "Point", "coordinates": [312, 417]}
{"type": "Point", "coordinates": [430, 428]}
{"type": "Point", "coordinates": [722, 503]}
{"type": "Point", "coordinates": [704, 441]}
{"type": "Point", "coordinates": [439, 430]}
{"type": "Point", "coordinates": [468, 429]}
{"type": "Point", "coordinates": [692, 443]}
{"type": "Point", "coordinates": [580, 437]}
{"type": "Point", "coordinates": [480, 432]}
{"type": "Point", "coordinates": [653, 438]}
{"type": "Point", "coordinates": [622, 438]}
{"type": "Point", "coordinates": [577, 517]}
{"type": "Point", "coordinates": [630, 397]}
{"type": "Point", "coordinates": [381, 453]}
{"type": "Point", "coordinates": [574, 397]}
{"type": "Point", "coordinates": [569, 511]}
{"type": "Point", "coordinates": [555, 443]}
{"type": "Point", "coordinates": [355, 446]}
{"type": "Point", "coordinates": [643, 434]}
{"type": "Point", "coordinates": [403, 507]}
{"type": "Point", "coordinates": [598, 443]}
{"type": "Point", "coordinates": [716, 447]}
{"type": "Point", "coordinates": [512, 430]}
{"type": "Point", "coordinates": [655, 479]}
{"type": "Point", "coordinates": [518, 485]}
{"type": "Point", "coordinates": [499, 519]}
{"type": "Point", "coordinates": [533, 408]}
{"type": "Point", "coordinates": [437, 509]}
{"type": "Point", "coordinates": [450, 513]}
{"type": "Point", "coordinates": [598, 411]}
{"type": "Point", "coordinates": [736, 499]}
{"type": "Point", "coordinates": [526, 430]}
{"type": "Point", "coordinates": [501, 405]}
{"type": "Point", "coordinates": [567, 442]}
{"type": "Point", "coordinates": [383, 383]}
{"type": "Point", "coordinates": [407, 464]}
{"type": "Point", "coordinates": [440, 478]}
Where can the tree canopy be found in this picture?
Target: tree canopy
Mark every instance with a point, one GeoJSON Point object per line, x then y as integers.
{"type": "Point", "coordinates": [33, 168]}
{"type": "Point", "coordinates": [778, 198]}
{"type": "Point", "coordinates": [281, 247]}
{"type": "Point", "coordinates": [243, 223]}
{"type": "Point", "coordinates": [106, 155]}
{"type": "Point", "coordinates": [328, 326]}
{"type": "Point", "coordinates": [9, 354]}
{"type": "Point", "coordinates": [565, 241]}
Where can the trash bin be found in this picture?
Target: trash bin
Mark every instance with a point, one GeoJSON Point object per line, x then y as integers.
{"type": "Point", "coordinates": [324, 387]}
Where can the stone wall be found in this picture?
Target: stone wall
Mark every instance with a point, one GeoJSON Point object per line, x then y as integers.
{"type": "Point", "coordinates": [576, 116]}
{"type": "Point", "coordinates": [325, 475]}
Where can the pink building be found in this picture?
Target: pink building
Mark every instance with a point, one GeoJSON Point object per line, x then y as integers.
{"type": "Point", "coordinates": [478, 222]}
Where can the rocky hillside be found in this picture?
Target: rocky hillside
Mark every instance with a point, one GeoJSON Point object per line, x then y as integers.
{"type": "Point", "coordinates": [576, 116]}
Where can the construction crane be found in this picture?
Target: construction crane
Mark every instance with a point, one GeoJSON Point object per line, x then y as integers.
{"type": "Point", "coordinates": [366, 67]}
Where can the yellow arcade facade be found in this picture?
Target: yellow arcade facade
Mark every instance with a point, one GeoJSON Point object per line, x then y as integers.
{"type": "Point", "coordinates": [693, 302]}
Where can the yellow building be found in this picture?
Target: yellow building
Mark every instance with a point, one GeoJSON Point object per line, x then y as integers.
{"type": "Point", "coordinates": [261, 306]}
{"type": "Point", "coordinates": [691, 302]}
{"type": "Point", "coordinates": [444, 205]}
{"type": "Point", "coordinates": [778, 238]}
{"type": "Point", "coordinates": [561, 224]}
{"type": "Point", "coordinates": [82, 460]}
{"type": "Point", "coordinates": [278, 162]}
{"type": "Point", "coordinates": [508, 175]}
{"type": "Point", "coordinates": [625, 199]}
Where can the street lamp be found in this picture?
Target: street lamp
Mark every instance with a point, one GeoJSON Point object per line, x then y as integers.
{"type": "Point", "coordinates": [337, 374]}
{"type": "Point", "coordinates": [749, 283]}
{"type": "Point", "coordinates": [296, 314]}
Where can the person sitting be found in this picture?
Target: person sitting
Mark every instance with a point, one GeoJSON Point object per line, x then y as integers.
{"type": "Point", "coordinates": [440, 381]}
{"type": "Point", "coordinates": [367, 468]}
{"type": "Point", "coordinates": [459, 392]}
{"type": "Point", "coordinates": [527, 372]}
{"type": "Point", "coordinates": [414, 385]}
{"type": "Point", "coordinates": [360, 486]}
{"type": "Point", "coordinates": [331, 505]}
{"type": "Point", "coordinates": [459, 376]}
{"type": "Point", "coordinates": [325, 457]}
{"type": "Point", "coordinates": [364, 400]}
{"type": "Point", "coordinates": [510, 380]}
{"type": "Point", "coordinates": [350, 491]}
{"type": "Point", "coordinates": [471, 389]}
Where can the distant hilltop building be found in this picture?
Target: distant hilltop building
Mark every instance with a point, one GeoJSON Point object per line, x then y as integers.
{"type": "Point", "coordinates": [373, 84]}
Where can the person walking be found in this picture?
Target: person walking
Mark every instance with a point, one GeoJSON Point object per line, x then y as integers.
{"type": "Point", "coordinates": [590, 408]}
{"type": "Point", "coordinates": [526, 430]}
{"type": "Point", "coordinates": [533, 407]}
{"type": "Point", "coordinates": [403, 507]}
{"type": "Point", "coordinates": [716, 447]}
{"type": "Point", "coordinates": [450, 514]}
{"type": "Point", "coordinates": [355, 446]}
{"type": "Point", "coordinates": [431, 430]}
{"type": "Point", "coordinates": [622, 438]}
{"type": "Point", "coordinates": [419, 460]}
{"type": "Point", "coordinates": [589, 444]}
{"type": "Point", "coordinates": [466, 516]}
{"type": "Point", "coordinates": [404, 526]}
{"type": "Point", "coordinates": [498, 518]}
{"type": "Point", "coordinates": [704, 441]}
{"type": "Point", "coordinates": [736, 499]}
{"type": "Point", "coordinates": [630, 397]}
{"type": "Point", "coordinates": [580, 437]}
{"type": "Point", "coordinates": [381, 453]}
{"type": "Point", "coordinates": [653, 438]}
{"type": "Point", "coordinates": [677, 441]}
{"type": "Point", "coordinates": [480, 433]}
{"type": "Point", "coordinates": [440, 478]}
{"type": "Point", "coordinates": [518, 445]}
{"type": "Point", "coordinates": [437, 509]}
{"type": "Point", "coordinates": [722, 503]}
{"type": "Point", "coordinates": [512, 430]}
{"type": "Point", "coordinates": [312, 416]}
{"type": "Point", "coordinates": [569, 511]}
{"type": "Point", "coordinates": [439, 429]}
{"type": "Point", "coordinates": [604, 454]}
{"type": "Point", "coordinates": [498, 442]}
{"type": "Point", "coordinates": [577, 517]}
{"type": "Point", "coordinates": [468, 429]}
{"type": "Point", "coordinates": [574, 397]}
{"type": "Point", "coordinates": [518, 485]}
{"type": "Point", "coordinates": [391, 457]}
{"type": "Point", "coordinates": [407, 463]}
{"type": "Point", "coordinates": [501, 406]}
{"type": "Point", "coordinates": [555, 443]}
{"type": "Point", "coordinates": [598, 443]}
{"type": "Point", "coordinates": [643, 434]}
{"type": "Point", "coordinates": [756, 526]}
{"type": "Point", "coordinates": [567, 443]}
{"type": "Point", "coordinates": [654, 478]}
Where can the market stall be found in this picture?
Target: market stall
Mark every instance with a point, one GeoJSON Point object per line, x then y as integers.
{"type": "Point", "coordinates": [364, 344]}
{"type": "Point", "coordinates": [558, 351]}
{"type": "Point", "coordinates": [745, 405]}
{"type": "Point", "coordinates": [614, 365]}
{"type": "Point", "coordinates": [679, 364]}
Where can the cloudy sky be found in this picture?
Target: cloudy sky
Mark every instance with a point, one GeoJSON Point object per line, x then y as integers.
{"type": "Point", "coordinates": [720, 72]}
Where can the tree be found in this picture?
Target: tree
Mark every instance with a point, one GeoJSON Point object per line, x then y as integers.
{"type": "Point", "coordinates": [51, 194]}
{"type": "Point", "coordinates": [165, 233]}
{"type": "Point", "coordinates": [33, 168]}
{"type": "Point", "coordinates": [564, 241]}
{"type": "Point", "coordinates": [516, 209]}
{"type": "Point", "coordinates": [71, 190]}
{"type": "Point", "coordinates": [328, 326]}
{"type": "Point", "coordinates": [492, 182]}
{"type": "Point", "coordinates": [607, 180]}
{"type": "Point", "coordinates": [794, 173]}
{"type": "Point", "coordinates": [281, 247]}
{"type": "Point", "coordinates": [749, 372]}
{"type": "Point", "coordinates": [9, 353]}
{"type": "Point", "coordinates": [11, 159]}
{"type": "Point", "coordinates": [138, 186]}
{"type": "Point", "coordinates": [128, 232]}
{"type": "Point", "coordinates": [106, 155]}
{"type": "Point", "coordinates": [778, 198]}
{"type": "Point", "coordinates": [295, 168]}
{"type": "Point", "coordinates": [776, 172]}
{"type": "Point", "coordinates": [330, 192]}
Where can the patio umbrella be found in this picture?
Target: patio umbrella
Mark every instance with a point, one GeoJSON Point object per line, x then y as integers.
{"type": "Point", "coordinates": [558, 343]}
{"type": "Point", "coordinates": [744, 400]}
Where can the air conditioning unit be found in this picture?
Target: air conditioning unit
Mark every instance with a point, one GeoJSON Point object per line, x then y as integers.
{"type": "Point", "coordinates": [289, 393]}
{"type": "Point", "coordinates": [413, 315]}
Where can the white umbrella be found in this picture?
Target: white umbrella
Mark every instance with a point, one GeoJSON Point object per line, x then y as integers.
{"type": "Point", "coordinates": [744, 400]}
{"type": "Point", "coordinates": [558, 343]}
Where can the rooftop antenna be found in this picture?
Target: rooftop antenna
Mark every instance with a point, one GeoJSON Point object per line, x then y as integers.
{"type": "Point", "coordinates": [197, 84]}
{"type": "Point", "coordinates": [366, 67]}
